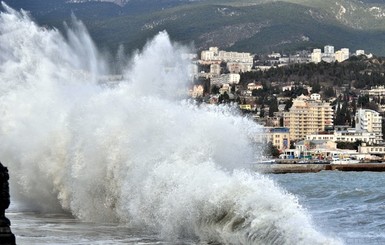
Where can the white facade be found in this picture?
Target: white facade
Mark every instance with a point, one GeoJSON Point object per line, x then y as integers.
{"type": "Point", "coordinates": [316, 56]}
{"type": "Point", "coordinates": [360, 52]}
{"type": "Point", "coordinates": [215, 69]}
{"type": "Point", "coordinates": [215, 54]}
{"type": "Point", "coordinates": [342, 55]}
{"type": "Point", "coordinates": [329, 50]}
{"type": "Point", "coordinates": [315, 96]}
{"type": "Point", "coordinates": [238, 67]}
{"type": "Point", "coordinates": [226, 79]}
{"type": "Point", "coordinates": [370, 121]}
{"type": "Point", "coordinates": [350, 135]}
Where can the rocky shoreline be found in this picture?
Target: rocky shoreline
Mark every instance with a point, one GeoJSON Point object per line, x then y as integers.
{"type": "Point", "coordinates": [6, 235]}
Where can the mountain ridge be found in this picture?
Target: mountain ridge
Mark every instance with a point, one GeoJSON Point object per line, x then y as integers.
{"type": "Point", "coordinates": [253, 26]}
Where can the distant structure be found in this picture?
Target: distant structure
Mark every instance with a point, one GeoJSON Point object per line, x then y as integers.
{"type": "Point", "coordinates": [329, 55]}
{"type": "Point", "coordinates": [6, 235]}
{"type": "Point", "coordinates": [308, 116]}
{"type": "Point", "coordinates": [342, 55]}
{"type": "Point", "coordinates": [371, 121]}
{"type": "Point", "coordinates": [316, 56]}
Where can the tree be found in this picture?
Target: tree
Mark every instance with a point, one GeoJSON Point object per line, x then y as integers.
{"type": "Point", "coordinates": [215, 89]}
{"type": "Point", "coordinates": [262, 112]}
{"type": "Point", "coordinates": [273, 106]}
{"type": "Point", "coordinates": [289, 104]}
{"type": "Point", "coordinates": [271, 150]}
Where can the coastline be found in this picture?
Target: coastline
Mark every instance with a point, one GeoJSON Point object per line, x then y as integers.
{"type": "Point", "coordinates": [315, 168]}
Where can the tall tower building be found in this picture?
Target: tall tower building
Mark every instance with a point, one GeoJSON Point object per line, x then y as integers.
{"type": "Point", "coordinates": [307, 117]}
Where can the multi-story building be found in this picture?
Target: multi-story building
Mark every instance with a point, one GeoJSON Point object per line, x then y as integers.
{"type": "Point", "coordinates": [347, 135]}
{"type": "Point", "coordinates": [316, 56]}
{"type": "Point", "coordinates": [370, 121]}
{"type": "Point", "coordinates": [342, 55]}
{"type": "Point", "coordinates": [328, 50]}
{"type": "Point", "coordinates": [280, 137]}
{"type": "Point", "coordinates": [375, 92]}
{"type": "Point", "coordinates": [214, 54]}
{"type": "Point", "coordinates": [238, 67]}
{"type": "Point", "coordinates": [226, 79]}
{"type": "Point", "coordinates": [215, 69]}
{"type": "Point", "coordinates": [360, 52]}
{"type": "Point", "coordinates": [307, 117]}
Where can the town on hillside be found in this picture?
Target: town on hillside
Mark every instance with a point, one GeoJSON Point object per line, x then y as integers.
{"type": "Point", "coordinates": [324, 106]}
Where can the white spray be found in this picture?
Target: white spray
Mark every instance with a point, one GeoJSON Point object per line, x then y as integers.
{"type": "Point", "coordinates": [131, 153]}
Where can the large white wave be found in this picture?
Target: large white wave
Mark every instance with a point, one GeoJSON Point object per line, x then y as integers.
{"type": "Point", "coordinates": [131, 153]}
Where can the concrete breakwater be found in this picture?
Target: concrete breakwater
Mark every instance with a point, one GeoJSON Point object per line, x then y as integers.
{"type": "Point", "coordinates": [314, 168]}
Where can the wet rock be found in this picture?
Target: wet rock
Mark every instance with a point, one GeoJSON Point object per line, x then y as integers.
{"type": "Point", "coordinates": [6, 235]}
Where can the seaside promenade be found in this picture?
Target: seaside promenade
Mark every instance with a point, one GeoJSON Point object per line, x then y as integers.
{"type": "Point", "coordinates": [279, 168]}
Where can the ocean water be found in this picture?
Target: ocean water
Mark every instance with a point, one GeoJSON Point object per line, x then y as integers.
{"type": "Point", "coordinates": [135, 161]}
{"type": "Point", "coordinates": [348, 205]}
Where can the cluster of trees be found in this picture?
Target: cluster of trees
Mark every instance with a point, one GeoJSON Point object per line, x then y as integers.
{"type": "Point", "coordinates": [359, 72]}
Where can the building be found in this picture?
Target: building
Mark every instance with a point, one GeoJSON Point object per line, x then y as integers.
{"type": "Point", "coordinates": [328, 50]}
{"type": "Point", "coordinates": [360, 52]}
{"type": "Point", "coordinates": [214, 54]}
{"type": "Point", "coordinates": [370, 121]}
{"type": "Point", "coordinates": [238, 67]}
{"type": "Point", "coordinates": [342, 55]}
{"type": "Point", "coordinates": [279, 137]}
{"type": "Point", "coordinates": [307, 117]}
{"type": "Point", "coordinates": [226, 79]}
{"type": "Point", "coordinates": [315, 96]}
{"type": "Point", "coordinates": [316, 56]}
{"type": "Point", "coordinates": [252, 86]}
{"type": "Point", "coordinates": [209, 55]}
{"type": "Point", "coordinates": [196, 91]}
{"type": "Point", "coordinates": [346, 135]}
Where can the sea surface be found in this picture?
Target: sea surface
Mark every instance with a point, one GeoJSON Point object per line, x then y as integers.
{"type": "Point", "coordinates": [348, 205]}
{"type": "Point", "coordinates": [345, 205]}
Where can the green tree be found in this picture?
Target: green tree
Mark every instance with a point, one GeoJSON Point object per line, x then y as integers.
{"type": "Point", "coordinates": [273, 106]}
{"type": "Point", "coordinates": [271, 150]}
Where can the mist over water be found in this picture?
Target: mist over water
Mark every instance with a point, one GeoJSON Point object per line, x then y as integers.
{"type": "Point", "coordinates": [132, 153]}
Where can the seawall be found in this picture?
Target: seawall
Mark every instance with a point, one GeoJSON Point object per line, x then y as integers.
{"type": "Point", "coordinates": [314, 168]}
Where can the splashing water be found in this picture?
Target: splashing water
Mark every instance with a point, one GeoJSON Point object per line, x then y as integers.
{"type": "Point", "coordinates": [131, 153]}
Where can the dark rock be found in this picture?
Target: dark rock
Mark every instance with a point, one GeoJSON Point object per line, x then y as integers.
{"type": "Point", "coordinates": [6, 235]}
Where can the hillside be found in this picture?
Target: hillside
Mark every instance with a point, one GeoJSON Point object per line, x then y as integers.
{"type": "Point", "coordinates": [254, 26]}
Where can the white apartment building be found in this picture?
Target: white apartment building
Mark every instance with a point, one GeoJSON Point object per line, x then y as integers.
{"type": "Point", "coordinates": [307, 117]}
{"type": "Point", "coordinates": [360, 52]}
{"type": "Point", "coordinates": [349, 135]}
{"type": "Point", "coordinates": [238, 67]}
{"type": "Point", "coordinates": [226, 79]}
{"type": "Point", "coordinates": [328, 50]}
{"type": "Point", "coordinates": [214, 54]}
{"type": "Point", "coordinates": [375, 92]}
{"type": "Point", "coordinates": [252, 86]}
{"type": "Point", "coordinates": [370, 121]}
{"type": "Point", "coordinates": [316, 56]}
{"type": "Point", "coordinates": [209, 55]}
{"type": "Point", "coordinates": [315, 96]}
{"type": "Point", "coordinates": [342, 55]}
{"type": "Point", "coordinates": [215, 69]}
